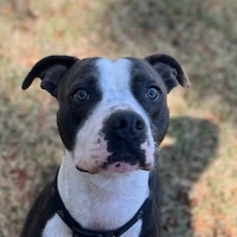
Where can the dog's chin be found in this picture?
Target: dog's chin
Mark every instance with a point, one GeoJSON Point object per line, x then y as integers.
{"type": "Point", "coordinates": [117, 167]}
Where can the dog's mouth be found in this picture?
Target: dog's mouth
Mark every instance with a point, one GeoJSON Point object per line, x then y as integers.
{"type": "Point", "coordinates": [122, 167]}
{"type": "Point", "coordinates": [118, 162]}
{"type": "Point", "coordinates": [123, 158]}
{"type": "Point", "coordinates": [82, 170]}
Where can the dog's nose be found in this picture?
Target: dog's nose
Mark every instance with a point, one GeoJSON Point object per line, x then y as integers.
{"type": "Point", "coordinates": [128, 125]}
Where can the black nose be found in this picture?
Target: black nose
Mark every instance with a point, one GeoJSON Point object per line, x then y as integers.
{"type": "Point", "coordinates": [127, 125]}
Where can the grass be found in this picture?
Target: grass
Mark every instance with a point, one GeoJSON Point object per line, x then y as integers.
{"type": "Point", "coordinates": [198, 167]}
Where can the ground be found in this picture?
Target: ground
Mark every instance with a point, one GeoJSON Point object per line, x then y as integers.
{"type": "Point", "coordinates": [198, 169]}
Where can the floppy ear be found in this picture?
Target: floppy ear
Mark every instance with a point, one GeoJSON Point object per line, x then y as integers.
{"type": "Point", "coordinates": [50, 70]}
{"type": "Point", "coordinates": [169, 69]}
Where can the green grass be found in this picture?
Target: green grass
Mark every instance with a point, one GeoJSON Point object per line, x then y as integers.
{"type": "Point", "coordinates": [198, 167]}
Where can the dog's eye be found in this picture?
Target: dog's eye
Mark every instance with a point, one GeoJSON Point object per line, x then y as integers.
{"type": "Point", "coordinates": [81, 95]}
{"type": "Point", "coordinates": [153, 93]}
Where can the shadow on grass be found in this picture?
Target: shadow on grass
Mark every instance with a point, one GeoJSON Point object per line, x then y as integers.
{"type": "Point", "coordinates": [183, 162]}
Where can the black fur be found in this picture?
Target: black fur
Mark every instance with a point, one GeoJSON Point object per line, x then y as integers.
{"type": "Point", "coordinates": [50, 70]}
{"type": "Point", "coordinates": [39, 214]}
{"type": "Point", "coordinates": [169, 69]}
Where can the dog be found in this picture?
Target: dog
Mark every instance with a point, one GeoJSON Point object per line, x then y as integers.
{"type": "Point", "coordinates": [112, 118]}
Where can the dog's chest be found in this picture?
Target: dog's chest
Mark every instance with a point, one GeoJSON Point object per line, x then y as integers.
{"type": "Point", "coordinates": [99, 204]}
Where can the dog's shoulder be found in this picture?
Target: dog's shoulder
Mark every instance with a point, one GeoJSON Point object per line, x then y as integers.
{"type": "Point", "coordinates": [40, 213]}
{"type": "Point", "coordinates": [151, 221]}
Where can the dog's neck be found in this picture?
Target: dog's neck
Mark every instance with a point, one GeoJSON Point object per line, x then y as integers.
{"type": "Point", "coordinates": [102, 201]}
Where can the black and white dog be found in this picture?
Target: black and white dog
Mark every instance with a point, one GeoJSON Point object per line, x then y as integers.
{"type": "Point", "coordinates": [112, 118]}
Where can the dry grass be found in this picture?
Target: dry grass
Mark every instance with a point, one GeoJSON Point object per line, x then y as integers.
{"type": "Point", "coordinates": [199, 167]}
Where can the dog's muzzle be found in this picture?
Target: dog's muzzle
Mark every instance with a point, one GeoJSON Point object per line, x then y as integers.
{"type": "Point", "coordinates": [125, 132]}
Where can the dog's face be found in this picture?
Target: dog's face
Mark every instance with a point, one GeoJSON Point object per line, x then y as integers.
{"type": "Point", "coordinates": [107, 111]}
{"type": "Point", "coordinates": [111, 112]}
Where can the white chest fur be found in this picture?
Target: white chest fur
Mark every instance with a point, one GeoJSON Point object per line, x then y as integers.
{"type": "Point", "coordinates": [101, 201]}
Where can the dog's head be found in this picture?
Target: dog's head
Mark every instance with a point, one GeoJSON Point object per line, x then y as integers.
{"type": "Point", "coordinates": [111, 113]}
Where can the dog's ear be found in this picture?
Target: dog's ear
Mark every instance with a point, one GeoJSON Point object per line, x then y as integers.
{"type": "Point", "coordinates": [169, 69]}
{"type": "Point", "coordinates": [50, 70]}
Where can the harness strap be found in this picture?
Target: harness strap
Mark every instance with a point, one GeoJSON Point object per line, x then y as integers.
{"type": "Point", "coordinates": [78, 230]}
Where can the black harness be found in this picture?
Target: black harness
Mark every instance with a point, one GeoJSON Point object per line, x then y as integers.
{"type": "Point", "coordinates": [79, 231]}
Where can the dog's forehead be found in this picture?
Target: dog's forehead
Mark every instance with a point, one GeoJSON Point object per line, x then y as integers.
{"type": "Point", "coordinates": [122, 68]}
{"type": "Point", "coordinates": [110, 73]}
{"type": "Point", "coordinates": [119, 74]}
{"type": "Point", "coordinates": [113, 74]}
